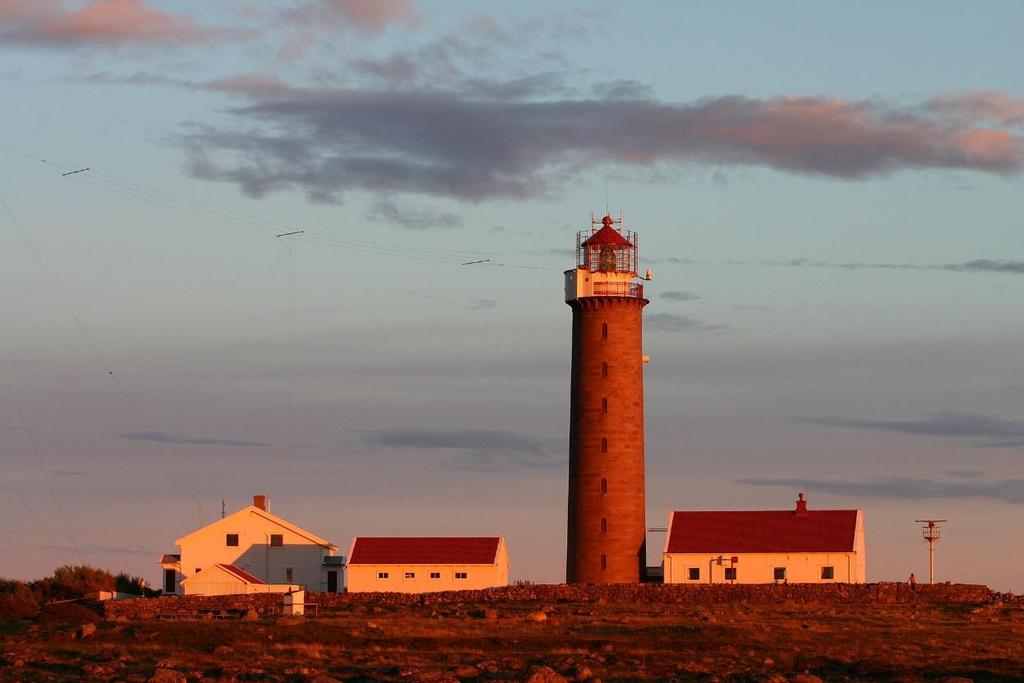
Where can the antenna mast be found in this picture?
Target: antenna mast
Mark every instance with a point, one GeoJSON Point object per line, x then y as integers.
{"type": "Point", "coordinates": [930, 532]}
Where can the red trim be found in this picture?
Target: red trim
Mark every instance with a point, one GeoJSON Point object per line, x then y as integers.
{"type": "Point", "coordinates": [240, 573]}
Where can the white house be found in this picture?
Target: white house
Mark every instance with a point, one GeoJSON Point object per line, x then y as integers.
{"type": "Point", "coordinates": [765, 546]}
{"type": "Point", "coordinates": [426, 565]}
{"type": "Point", "coordinates": [251, 544]}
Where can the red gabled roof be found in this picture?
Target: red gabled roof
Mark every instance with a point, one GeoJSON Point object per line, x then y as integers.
{"type": "Point", "coordinates": [425, 550]}
{"type": "Point", "coordinates": [607, 235]}
{"type": "Point", "coordinates": [763, 531]}
{"type": "Point", "coordinates": [240, 573]}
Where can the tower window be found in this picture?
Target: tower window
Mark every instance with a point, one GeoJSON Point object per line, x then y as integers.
{"type": "Point", "coordinates": [604, 444]}
{"type": "Point", "coordinates": [604, 330]}
{"type": "Point", "coordinates": [604, 525]}
{"type": "Point", "coordinates": [604, 562]}
{"type": "Point", "coordinates": [604, 369]}
{"type": "Point", "coordinates": [604, 405]}
{"type": "Point", "coordinates": [604, 486]}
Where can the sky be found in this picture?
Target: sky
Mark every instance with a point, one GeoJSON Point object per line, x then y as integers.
{"type": "Point", "coordinates": [828, 195]}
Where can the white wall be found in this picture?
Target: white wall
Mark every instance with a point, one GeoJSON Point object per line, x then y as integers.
{"type": "Point", "coordinates": [208, 546]}
{"type": "Point", "coordinates": [759, 567]}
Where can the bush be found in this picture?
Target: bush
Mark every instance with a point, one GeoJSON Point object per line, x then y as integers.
{"type": "Point", "coordinates": [70, 582]}
{"type": "Point", "coordinates": [124, 583]}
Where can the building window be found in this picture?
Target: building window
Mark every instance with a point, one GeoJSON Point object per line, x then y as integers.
{"type": "Point", "coordinates": [693, 574]}
{"type": "Point", "coordinates": [604, 562]}
{"type": "Point", "coordinates": [231, 540]}
{"type": "Point", "coordinates": [276, 540]}
{"type": "Point", "coordinates": [604, 405]}
{"type": "Point", "coordinates": [410, 575]}
{"type": "Point", "coordinates": [435, 575]}
{"type": "Point", "coordinates": [289, 574]}
{"type": "Point", "coordinates": [730, 573]}
{"type": "Point", "coordinates": [332, 581]}
{"type": "Point", "coordinates": [604, 486]}
{"type": "Point", "coordinates": [604, 369]}
{"type": "Point", "coordinates": [198, 569]}
{"type": "Point", "coordinates": [780, 574]}
{"type": "Point", "coordinates": [604, 444]}
{"type": "Point", "coordinates": [604, 330]}
{"type": "Point", "coordinates": [828, 573]}
{"type": "Point", "coordinates": [461, 575]}
{"type": "Point", "coordinates": [382, 575]}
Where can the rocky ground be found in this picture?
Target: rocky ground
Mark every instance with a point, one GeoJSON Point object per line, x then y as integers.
{"type": "Point", "coordinates": [532, 640]}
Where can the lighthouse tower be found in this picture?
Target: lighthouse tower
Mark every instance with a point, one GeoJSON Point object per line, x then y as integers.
{"type": "Point", "coordinates": [607, 532]}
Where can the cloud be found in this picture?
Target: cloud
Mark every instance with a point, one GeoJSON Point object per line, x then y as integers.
{"type": "Point", "coordinates": [975, 266]}
{"type": "Point", "coordinates": [902, 488]}
{"type": "Point", "coordinates": [675, 295]}
{"type": "Point", "coordinates": [990, 106]}
{"type": "Point", "coordinates": [164, 437]}
{"type": "Point", "coordinates": [997, 432]}
{"type": "Point", "coordinates": [453, 143]}
{"type": "Point", "coordinates": [386, 211]}
{"type": "Point", "coordinates": [668, 322]}
{"type": "Point", "coordinates": [483, 305]}
{"type": "Point", "coordinates": [99, 22]}
{"type": "Point", "coordinates": [376, 15]}
{"type": "Point", "coordinates": [482, 448]}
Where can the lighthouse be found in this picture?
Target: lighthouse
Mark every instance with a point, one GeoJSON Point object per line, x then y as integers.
{"type": "Point", "coordinates": [607, 531]}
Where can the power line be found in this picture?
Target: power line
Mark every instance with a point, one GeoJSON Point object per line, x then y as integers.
{"type": "Point", "coordinates": [92, 344]}
{"type": "Point", "coordinates": [42, 466]}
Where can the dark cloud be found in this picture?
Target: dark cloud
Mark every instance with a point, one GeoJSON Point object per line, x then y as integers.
{"type": "Point", "coordinates": [675, 295]}
{"type": "Point", "coordinates": [164, 437]}
{"type": "Point", "coordinates": [483, 305]}
{"type": "Point", "coordinates": [996, 432]}
{"type": "Point", "coordinates": [326, 141]}
{"type": "Point", "coordinates": [667, 322]}
{"type": "Point", "coordinates": [622, 89]}
{"type": "Point", "coordinates": [483, 448]}
{"type": "Point", "coordinates": [975, 266]}
{"type": "Point", "coordinates": [387, 211]}
{"type": "Point", "coordinates": [902, 488]}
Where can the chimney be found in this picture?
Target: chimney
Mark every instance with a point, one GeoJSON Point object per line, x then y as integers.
{"type": "Point", "coordinates": [263, 502]}
{"type": "Point", "coordinates": [801, 506]}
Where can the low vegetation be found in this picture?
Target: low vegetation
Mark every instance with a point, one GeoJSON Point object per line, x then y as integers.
{"type": "Point", "coordinates": [572, 639]}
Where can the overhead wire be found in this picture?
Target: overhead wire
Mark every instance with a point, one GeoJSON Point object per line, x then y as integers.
{"type": "Point", "coordinates": [136, 412]}
{"type": "Point", "coordinates": [43, 470]}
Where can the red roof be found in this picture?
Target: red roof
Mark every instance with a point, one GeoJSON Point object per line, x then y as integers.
{"type": "Point", "coordinates": [478, 550]}
{"type": "Point", "coordinates": [607, 235]}
{"type": "Point", "coordinates": [766, 531]}
{"type": "Point", "coordinates": [240, 573]}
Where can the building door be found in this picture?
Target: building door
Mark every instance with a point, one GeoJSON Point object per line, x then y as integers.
{"type": "Point", "coordinates": [332, 581]}
{"type": "Point", "coordinates": [170, 581]}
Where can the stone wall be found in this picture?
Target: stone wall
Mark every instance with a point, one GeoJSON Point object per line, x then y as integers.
{"type": "Point", "coordinates": [197, 606]}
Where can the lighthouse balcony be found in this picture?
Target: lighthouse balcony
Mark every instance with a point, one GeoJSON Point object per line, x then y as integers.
{"type": "Point", "coordinates": [626, 289]}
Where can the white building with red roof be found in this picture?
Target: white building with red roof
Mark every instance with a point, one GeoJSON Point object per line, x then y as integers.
{"type": "Point", "coordinates": [251, 551]}
{"type": "Point", "coordinates": [426, 564]}
{"type": "Point", "coordinates": [765, 546]}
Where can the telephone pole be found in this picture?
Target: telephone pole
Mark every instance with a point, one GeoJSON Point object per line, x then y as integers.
{"type": "Point", "coordinates": [930, 531]}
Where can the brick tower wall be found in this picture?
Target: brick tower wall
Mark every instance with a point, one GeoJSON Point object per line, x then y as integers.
{"type": "Point", "coordinates": [606, 442]}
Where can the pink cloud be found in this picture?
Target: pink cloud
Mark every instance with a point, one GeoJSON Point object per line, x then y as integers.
{"type": "Point", "coordinates": [109, 22]}
{"type": "Point", "coordinates": [986, 105]}
{"type": "Point", "coordinates": [376, 15]}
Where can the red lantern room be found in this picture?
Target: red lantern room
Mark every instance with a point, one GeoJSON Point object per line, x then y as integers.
{"type": "Point", "coordinates": [607, 249]}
